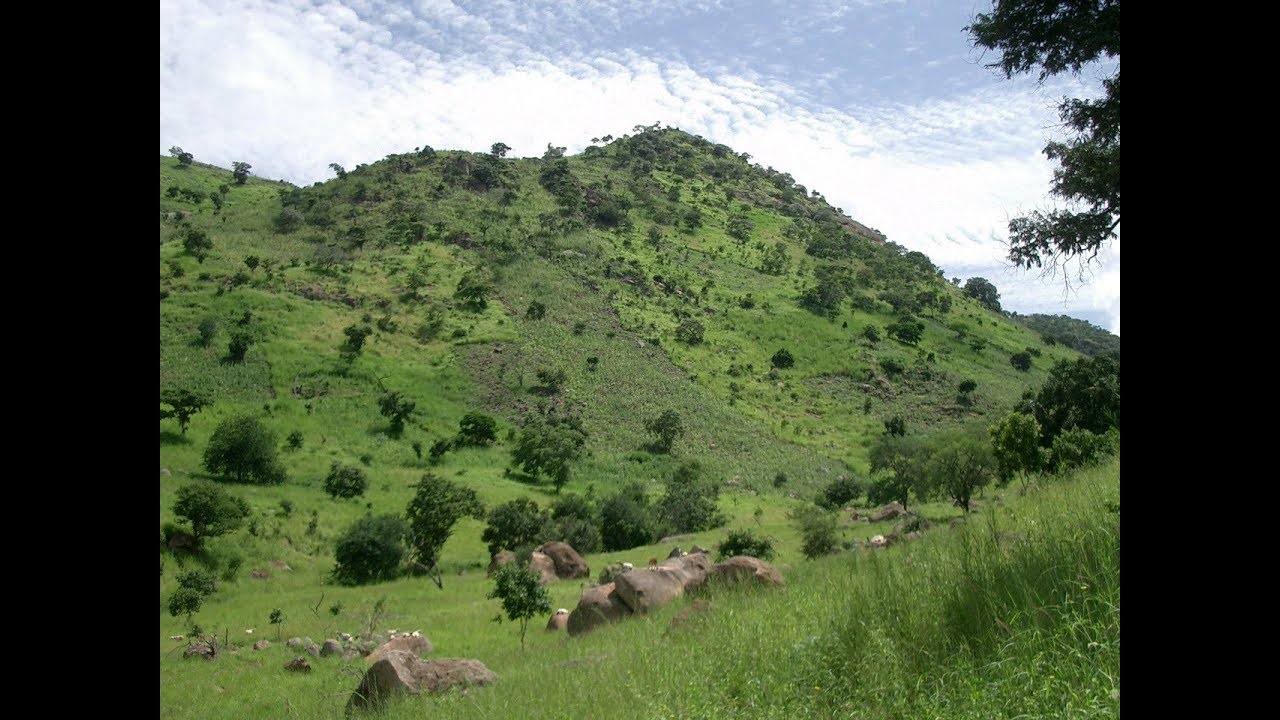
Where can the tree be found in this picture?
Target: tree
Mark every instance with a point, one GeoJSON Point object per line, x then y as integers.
{"type": "Point", "coordinates": [476, 430]}
{"type": "Point", "coordinates": [196, 243]}
{"type": "Point", "coordinates": [577, 523]}
{"type": "Point", "coordinates": [1053, 38]}
{"type": "Point", "coordinates": [906, 330]}
{"type": "Point", "coordinates": [841, 492]}
{"type": "Point", "coordinates": [984, 292]}
{"type": "Point", "coordinates": [1077, 447]}
{"type": "Point", "coordinates": [1015, 442]}
{"type": "Point", "coordinates": [183, 403]}
{"type": "Point", "coordinates": [472, 291]}
{"type": "Point", "coordinates": [351, 347]}
{"type": "Point", "coordinates": [745, 542]}
{"type": "Point", "coordinates": [242, 449]}
{"type": "Point", "coordinates": [959, 464]}
{"type": "Point", "coordinates": [547, 445]}
{"type": "Point", "coordinates": [536, 311]}
{"type": "Point", "coordinates": [210, 509]}
{"type": "Point", "coordinates": [437, 505]}
{"type": "Point", "coordinates": [239, 344]}
{"type": "Point", "coordinates": [895, 426]}
{"type": "Point", "coordinates": [522, 596]}
{"type": "Point", "coordinates": [208, 328]}
{"type": "Point", "coordinates": [516, 525]}
{"type": "Point", "coordinates": [338, 170]}
{"type": "Point", "coordinates": [240, 172]}
{"type": "Point", "coordinates": [690, 502]}
{"type": "Point", "coordinates": [626, 520]}
{"type": "Point", "coordinates": [370, 550]}
{"type": "Point", "coordinates": [690, 331]}
{"type": "Point", "coordinates": [1082, 393]}
{"type": "Point", "coordinates": [345, 481]}
{"type": "Point", "coordinates": [900, 456]}
{"type": "Point", "coordinates": [499, 150]}
{"type": "Point", "coordinates": [783, 359]}
{"type": "Point", "coordinates": [396, 408]}
{"type": "Point", "coordinates": [184, 157]}
{"type": "Point", "coordinates": [666, 429]}
{"type": "Point", "coordinates": [817, 529]}
{"type": "Point", "coordinates": [1021, 361]}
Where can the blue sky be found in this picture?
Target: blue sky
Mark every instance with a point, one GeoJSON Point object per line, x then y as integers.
{"type": "Point", "coordinates": [882, 106]}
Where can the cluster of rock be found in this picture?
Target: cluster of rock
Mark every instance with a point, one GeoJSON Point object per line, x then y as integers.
{"type": "Point", "coordinates": [552, 561]}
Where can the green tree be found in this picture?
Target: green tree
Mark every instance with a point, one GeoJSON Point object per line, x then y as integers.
{"type": "Point", "coordinates": [907, 330]}
{"type": "Point", "coordinates": [437, 505]}
{"type": "Point", "coordinates": [690, 331]}
{"type": "Point", "coordinates": [548, 445]}
{"type": "Point", "coordinates": [666, 429]}
{"type": "Point", "coordinates": [841, 492]}
{"type": "Point", "coordinates": [1082, 393]}
{"type": "Point", "coordinates": [1021, 361]}
{"type": "Point", "coordinates": [240, 172]}
{"type": "Point", "coordinates": [472, 291]}
{"type": "Point", "coordinates": [1051, 38]}
{"type": "Point", "coordinates": [396, 408]}
{"type": "Point", "coordinates": [338, 170]}
{"type": "Point", "coordinates": [959, 463]}
{"type": "Point", "coordinates": [499, 150]}
{"type": "Point", "coordinates": [210, 509]}
{"type": "Point", "coordinates": [208, 328]}
{"type": "Point", "coordinates": [1076, 447]}
{"type": "Point", "coordinates": [517, 525]}
{"type": "Point", "coordinates": [184, 157]}
{"type": "Point", "coordinates": [370, 550]}
{"type": "Point", "coordinates": [690, 502]}
{"type": "Point", "coordinates": [476, 430]}
{"type": "Point", "coordinates": [183, 403]}
{"type": "Point", "coordinates": [817, 528]}
{"type": "Point", "coordinates": [1015, 442]}
{"type": "Point", "coordinates": [898, 459]}
{"type": "Point", "coordinates": [522, 596]}
{"type": "Point", "coordinates": [783, 359]}
{"type": "Point", "coordinates": [239, 344]}
{"type": "Point", "coordinates": [196, 243]}
{"type": "Point", "coordinates": [345, 481]}
{"type": "Point", "coordinates": [354, 343]}
{"type": "Point", "coordinates": [242, 450]}
{"type": "Point", "coordinates": [185, 601]}
{"type": "Point", "coordinates": [626, 519]}
{"type": "Point", "coordinates": [536, 311]}
{"type": "Point", "coordinates": [984, 292]}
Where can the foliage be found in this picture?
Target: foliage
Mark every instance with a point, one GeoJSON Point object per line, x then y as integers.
{"type": "Point", "coordinates": [436, 507]}
{"type": "Point", "coordinates": [183, 403]}
{"type": "Point", "coordinates": [345, 481]}
{"type": "Point", "coordinates": [984, 292]}
{"type": "Point", "coordinates": [626, 519]}
{"type": "Point", "coordinates": [577, 522]}
{"type": "Point", "coordinates": [522, 596]}
{"type": "Point", "coordinates": [196, 243]}
{"type": "Point", "coordinates": [1015, 442]}
{"type": "Point", "coordinates": [1054, 38]}
{"type": "Point", "coordinates": [476, 430]}
{"type": "Point", "coordinates": [472, 291]}
{"type": "Point", "coordinates": [1021, 361]}
{"type": "Point", "coordinates": [745, 542]}
{"type": "Point", "coordinates": [817, 528]}
{"type": "Point", "coordinates": [210, 509]}
{"type": "Point", "coordinates": [690, 331]}
{"type": "Point", "coordinates": [1082, 393]}
{"type": "Point", "coordinates": [895, 426]}
{"type": "Point", "coordinates": [959, 463]}
{"type": "Point", "coordinates": [666, 429]}
{"type": "Point", "coordinates": [689, 504]}
{"type": "Point", "coordinates": [370, 550]}
{"type": "Point", "coordinates": [243, 450]}
{"type": "Point", "coordinates": [548, 444]}
{"type": "Point", "coordinates": [184, 157]}
{"type": "Point", "coordinates": [354, 343]}
{"type": "Point", "coordinates": [902, 457]}
{"type": "Point", "coordinates": [841, 492]}
{"type": "Point", "coordinates": [516, 525]}
{"type": "Point", "coordinates": [832, 286]}
{"type": "Point", "coordinates": [185, 601]}
{"type": "Point", "coordinates": [1076, 448]}
{"type": "Point", "coordinates": [240, 172]}
{"type": "Point", "coordinates": [397, 408]}
{"type": "Point", "coordinates": [907, 330]}
{"type": "Point", "coordinates": [783, 359]}
{"type": "Point", "coordinates": [536, 311]}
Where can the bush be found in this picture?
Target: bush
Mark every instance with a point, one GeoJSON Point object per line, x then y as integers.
{"type": "Point", "coordinates": [1021, 361]}
{"type": "Point", "coordinates": [476, 430]}
{"type": "Point", "coordinates": [583, 535]}
{"type": "Point", "coordinates": [689, 504]}
{"type": "Point", "coordinates": [841, 492]}
{"type": "Point", "coordinates": [818, 529]}
{"type": "Point", "coordinates": [243, 450]}
{"type": "Point", "coordinates": [783, 359]}
{"type": "Point", "coordinates": [370, 550]}
{"type": "Point", "coordinates": [908, 330]}
{"type": "Point", "coordinates": [626, 519]}
{"type": "Point", "coordinates": [516, 525]}
{"type": "Point", "coordinates": [1076, 448]}
{"type": "Point", "coordinates": [746, 542]}
{"type": "Point", "coordinates": [345, 481]}
{"type": "Point", "coordinates": [210, 509]}
{"type": "Point", "coordinates": [690, 331]}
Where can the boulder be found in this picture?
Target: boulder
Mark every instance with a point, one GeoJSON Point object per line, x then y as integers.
{"type": "Point", "coordinates": [568, 563]}
{"type": "Point", "coordinates": [330, 648]}
{"type": "Point", "coordinates": [499, 559]}
{"type": "Point", "coordinates": [164, 472]}
{"type": "Point", "coordinates": [415, 645]}
{"type": "Point", "coordinates": [879, 541]}
{"type": "Point", "coordinates": [313, 650]}
{"type": "Point", "coordinates": [402, 672]}
{"type": "Point", "coordinates": [558, 621]}
{"type": "Point", "coordinates": [298, 664]}
{"type": "Point", "coordinates": [262, 645]}
{"type": "Point", "coordinates": [743, 568]}
{"type": "Point", "coordinates": [200, 650]}
{"type": "Point", "coordinates": [543, 565]}
{"type": "Point", "coordinates": [294, 642]}
{"type": "Point", "coordinates": [889, 512]}
{"type": "Point", "coordinates": [644, 590]}
{"type": "Point", "coordinates": [598, 605]}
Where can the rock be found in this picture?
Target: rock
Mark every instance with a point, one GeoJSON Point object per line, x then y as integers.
{"type": "Point", "coordinates": [889, 512]}
{"type": "Point", "coordinates": [294, 642]}
{"type": "Point", "coordinates": [164, 472]}
{"type": "Point", "coordinates": [878, 541]}
{"type": "Point", "coordinates": [598, 605]}
{"type": "Point", "coordinates": [743, 568]}
{"type": "Point", "coordinates": [313, 650]}
{"type": "Point", "coordinates": [351, 654]}
{"type": "Point", "coordinates": [644, 590]}
{"type": "Point", "coordinates": [331, 647]}
{"type": "Point", "coordinates": [260, 574]}
{"type": "Point", "coordinates": [280, 565]}
{"type": "Point", "coordinates": [699, 550]}
{"type": "Point", "coordinates": [558, 621]}
{"type": "Point", "coordinates": [499, 559]}
{"type": "Point", "coordinates": [298, 664]}
{"type": "Point", "coordinates": [262, 645]}
{"type": "Point", "coordinates": [416, 646]}
{"type": "Point", "coordinates": [200, 650]}
{"type": "Point", "coordinates": [344, 637]}
{"type": "Point", "coordinates": [544, 566]}
{"type": "Point", "coordinates": [675, 552]}
{"type": "Point", "coordinates": [568, 563]}
{"type": "Point", "coordinates": [402, 672]}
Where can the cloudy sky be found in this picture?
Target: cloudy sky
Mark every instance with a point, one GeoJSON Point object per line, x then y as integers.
{"type": "Point", "coordinates": [881, 105]}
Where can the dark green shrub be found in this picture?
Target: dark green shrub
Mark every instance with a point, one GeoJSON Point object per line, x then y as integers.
{"type": "Point", "coordinates": [370, 550]}
{"type": "Point", "coordinates": [746, 542]}
{"type": "Point", "coordinates": [345, 481]}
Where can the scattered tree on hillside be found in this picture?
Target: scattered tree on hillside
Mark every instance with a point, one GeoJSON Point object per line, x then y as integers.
{"type": "Point", "coordinates": [1052, 38]}
{"type": "Point", "coordinates": [396, 408]}
{"type": "Point", "coordinates": [370, 550]}
{"type": "Point", "coordinates": [783, 359]}
{"type": "Point", "coordinates": [690, 502]}
{"type": "Point", "coordinates": [626, 519]}
{"type": "Point", "coordinates": [1015, 442]}
{"type": "Point", "coordinates": [196, 243]}
{"type": "Point", "coordinates": [243, 450]}
{"type": "Point", "coordinates": [183, 403]}
{"type": "Point", "coordinates": [745, 542]}
{"type": "Point", "coordinates": [522, 595]}
{"type": "Point", "coordinates": [516, 525]}
{"type": "Point", "coordinates": [817, 529]}
{"type": "Point", "coordinates": [1082, 393]}
{"type": "Point", "coordinates": [906, 330]}
{"type": "Point", "coordinates": [472, 291]}
{"type": "Point", "coordinates": [338, 170]}
{"type": "Point", "coordinates": [436, 507]}
{"type": "Point", "coordinates": [210, 509]}
{"type": "Point", "coordinates": [547, 445]}
{"type": "Point", "coordinates": [194, 586]}
{"type": "Point", "coordinates": [1021, 361]}
{"type": "Point", "coordinates": [240, 172]}
{"type": "Point", "coordinates": [354, 342]}
{"type": "Point", "coordinates": [238, 346]}
{"type": "Point", "coordinates": [499, 150]}
{"type": "Point", "coordinates": [666, 429]}
{"type": "Point", "coordinates": [841, 492]}
{"type": "Point", "coordinates": [345, 481]}
{"type": "Point", "coordinates": [898, 459]}
{"type": "Point", "coordinates": [960, 463]}
{"type": "Point", "coordinates": [184, 157]}
{"type": "Point", "coordinates": [984, 292]}
{"type": "Point", "coordinates": [690, 331]}
{"type": "Point", "coordinates": [476, 430]}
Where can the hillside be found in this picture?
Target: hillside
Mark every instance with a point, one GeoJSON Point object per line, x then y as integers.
{"type": "Point", "coordinates": [1079, 335]}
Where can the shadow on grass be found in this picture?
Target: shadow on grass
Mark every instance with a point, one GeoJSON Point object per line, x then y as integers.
{"type": "Point", "coordinates": [169, 437]}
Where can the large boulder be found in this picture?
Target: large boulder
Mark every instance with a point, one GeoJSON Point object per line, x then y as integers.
{"type": "Point", "coordinates": [569, 564]}
{"type": "Point", "coordinates": [558, 621]}
{"type": "Point", "coordinates": [499, 559]}
{"type": "Point", "coordinates": [330, 648]}
{"type": "Point", "coordinates": [402, 672]}
{"type": "Point", "coordinates": [597, 606]}
{"type": "Point", "coordinates": [889, 512]}
{"type": "Point", "coordinates": [413, 644]}
{"type": "Point", "coordinates": [544, 566]}
{"type": "Point", "coordinates": [644, 590]}
{"type": "Point", "coordinates": [743, 568]}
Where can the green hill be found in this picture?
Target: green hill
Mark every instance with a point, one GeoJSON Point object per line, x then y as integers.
{"type": "Point", "coordinates": [657, 272]}
{"type": "Point", "coordinates": [1080, 335]}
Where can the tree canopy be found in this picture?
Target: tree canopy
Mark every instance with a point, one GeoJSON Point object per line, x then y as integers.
{"type": "Point", "coordinates": [1052, 37]}
{"type": "Point", "coordinates": [436, 506]}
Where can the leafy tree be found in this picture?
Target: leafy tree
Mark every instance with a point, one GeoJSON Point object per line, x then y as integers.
{"type": "Point", "coordinates": [370, 550]}
{"type": "Point", "coordinates": [516, 525]}
{"type": "Point", "coordinates": [1021, 361]}
{"type": "Point", "coordinates": [1052, 38]}
{"type": "Point", "coordinates": [210, 509]}
{"type": "Point", "coordinates": [476, 430]}
{"type": "Point", "coordinates": [775, 261]}
{"type": "Point", "coordinates": [183, 403]}
{"type": "Point", "coordinates": [1015, 442]}
{"type": "Point", "coordinates": [841, 492]}
{"type": "Point", "coordinates": [1082, 393]}
{"type": "Point", "coordinates": [396, 408]}
{"type": "Point", "coordinates": [242, 449]}
{"type": "Point", "coordinates": [832, 286]}
{"type": "Point", "coordinates": [740, 227]}
{"type": "Point", "coordinates": [783, 359]}
{"type": "Point", "coordinates": [521, 593]}
{"type": "Point", "coordinates": [499, 150]}
{"type": "Point", "coordinates": [354, 343]}
{"type": "Point", "coordinates": [536, 310]}
{"type": "Point", "coordinates": [436, 507]}
{"type": "Point", "coordinates": [817, 529]}
{"type": "Point", "coordinates": [240, 172]}
{"type": "Point", "coordinates": [895, 426]}
{"type": "Point", "coordinates": [871, 333]}
{"type": "Point", "coordinates": [902, 457]}
{"type": "Point", "coordinates": [690, 331]}
{"type": "Point", "coordinates": [959, 463]}
{"type": "Point", "coordinates": [196, 243]}
{"type": "Point", "coordinates": [626, 519]}
{"type": "Point", "coordinates": [906, 330]}
{"type": "Point", "coordinates": [472, 291]}
{"type": "Point", "coordinates": [547, 445]}
{"type": "Point", "coordinates": [967, 387]}
{"type": "Point", "coordinates": [345, 481]}
{"type": "Point", "coordinates": [666, 429]}
{"type": "Point", "coordinates": [1077, 447]}
{"type": "Point", "coordinates": [338, 170]}
{"type": "Point", "coordinates": [184, 157]}
{"type": "Point", "coordinates": [689, 504]}
{"type": "Point", "coordinates": [185, 601]}
{"type": "Point", "coordinates": [552, 379]}
{"type": "Point", "coordinates": [239, 344]}
{"type": "Point", "coordinates": [984, 292]}
{"type": "Point", "coordinates": [745, 542]}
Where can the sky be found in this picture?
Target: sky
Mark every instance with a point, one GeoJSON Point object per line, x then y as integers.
{"type": "Point", "coordinates": [883, 106]}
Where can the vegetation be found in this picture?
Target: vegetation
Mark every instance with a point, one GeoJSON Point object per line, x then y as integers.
{"type": "Point", "coordinates": [437, 506]}
{"type": "Point", "coordinates": [243, 450]}
{"type": "Point", "coordinates": [370, 551]}
{"type": "Point", "coordinates": [746, 542]}
{"type": "Point", "coordinates": [345, 481]}
{"type": "Point", "coordinates": [522, 596]}
{"type": "Point", "coordinates": [209, 509]}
